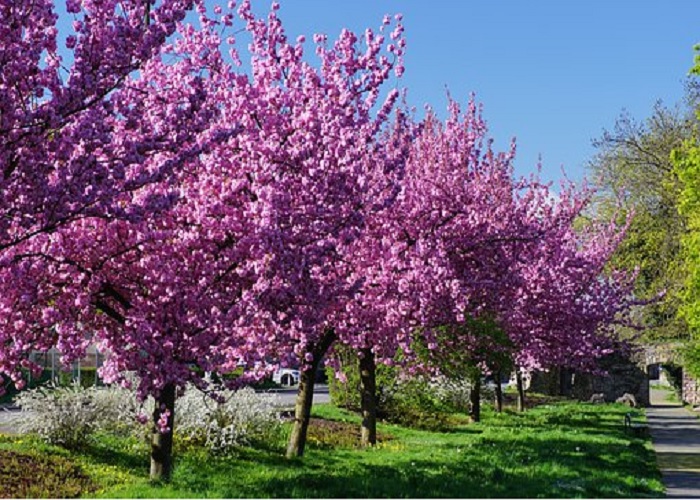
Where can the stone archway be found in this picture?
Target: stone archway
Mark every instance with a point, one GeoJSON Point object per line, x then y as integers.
{"type": "Point", "coordinates": [669, 355]}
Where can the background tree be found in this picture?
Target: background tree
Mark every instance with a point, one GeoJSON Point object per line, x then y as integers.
{"type": "Point", "coordinates": [686, 162]}
{"type": "Point", "coordinates": [633, 169]}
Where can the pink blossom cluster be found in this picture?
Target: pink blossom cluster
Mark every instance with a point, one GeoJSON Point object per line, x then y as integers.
{"type": "Point", "coordinates": [183, 211]}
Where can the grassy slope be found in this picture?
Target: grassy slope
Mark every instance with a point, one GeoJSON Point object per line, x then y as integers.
{"type": "Point", "coordinates": [559, 450]}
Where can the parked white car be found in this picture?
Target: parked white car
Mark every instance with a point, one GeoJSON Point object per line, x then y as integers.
{"type": "Point", "coordinates": [286, 377]}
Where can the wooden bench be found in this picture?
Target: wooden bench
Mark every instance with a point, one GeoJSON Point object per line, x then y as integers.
{"type": "Point", "coordinates": [636, 429]}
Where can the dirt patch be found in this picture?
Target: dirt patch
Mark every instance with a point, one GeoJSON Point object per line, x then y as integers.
{"type": "Point", "coordinates": [36, 476]}
{"type": "Point", "coordinates": [335, 434]}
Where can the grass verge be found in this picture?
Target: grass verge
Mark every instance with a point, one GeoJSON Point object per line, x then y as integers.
{"type": "Point", "coordinates": [562, 449]}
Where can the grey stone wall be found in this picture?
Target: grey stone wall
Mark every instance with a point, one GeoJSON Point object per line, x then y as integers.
{"type": "Point", "coordinates": [691, 390]}
{"type": "Point", "coordinates": [622, 375]}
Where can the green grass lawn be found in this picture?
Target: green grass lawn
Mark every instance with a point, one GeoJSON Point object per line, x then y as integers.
{"type": "Point", "coordinates": [556, 450]}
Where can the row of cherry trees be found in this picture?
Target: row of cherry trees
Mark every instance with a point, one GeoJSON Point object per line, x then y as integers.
{"type": "Point", "coordinates": [182, 210]}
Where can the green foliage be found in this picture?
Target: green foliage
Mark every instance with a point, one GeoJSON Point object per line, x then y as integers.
{"type": "Point", "coordinates": [88, 375]}
{"type": "Point", "coordinates": [674, 374]}
{"type": "Point", "coordinates": [686, 161]}
{"type": "Point", "coordinates": [34, 382]}
{"type": "Point", "coordinates": [412, 403]}
{"type": "Point", "coordinates": [488, 344]}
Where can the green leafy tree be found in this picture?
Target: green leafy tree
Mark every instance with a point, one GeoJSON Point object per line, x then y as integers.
{"type": "Point", "coordinates": [633, 171]}
{"type": "Point", "coordinates": [687, 163]}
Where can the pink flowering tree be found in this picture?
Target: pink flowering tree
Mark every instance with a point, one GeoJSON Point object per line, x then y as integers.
{"type": "Point", "coordinates": [69, 145]}
{"type": "Point", "coordinates": [368, 323]}
{"type": "Point", "coordinates": [62, 154]}
{"type": "Point", "coordinates": [228, 243]}
{"type": "Point", "coordinates": [568, 301]}
{"type": "Point", "coordinates": [185, 215]}
{"type": "Point", "coordinates": [446, 235]}
{"type": "Point", "coordinates": [320, 161]}
{"type": "Point", "coordinates": [467, 245]}
{"type": "Point", "coordinates": [136, 190]}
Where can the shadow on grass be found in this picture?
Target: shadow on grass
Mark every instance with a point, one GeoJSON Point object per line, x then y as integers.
{"type": "Point", "coordinates": [469, 476]}
{"type": "Point", "coordinates": [528, 466]}
{"type": "Point", "coordinates": [103, 453]}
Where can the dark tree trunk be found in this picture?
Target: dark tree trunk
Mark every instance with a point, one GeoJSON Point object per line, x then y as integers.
{"type": "Point", "coordinates": [475, 399]}
{"type": "Point", "coordinates": [521, 390]}
{"type": "Point", "coordinates": [305, 396]}
{"type": "Point", "coordinates": [565, 385]}
{"type": "Point", "coordinates": [162, 443]}
{"type": "Point", "coordinates": [498, 403]}
{"type": "Point", "coordinates": [368, 379]}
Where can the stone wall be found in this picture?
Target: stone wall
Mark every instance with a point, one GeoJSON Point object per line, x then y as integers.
{"type": "Point", "coordinates": [623, 375]}
{"type": "Point", "coordinates": [691, 390]}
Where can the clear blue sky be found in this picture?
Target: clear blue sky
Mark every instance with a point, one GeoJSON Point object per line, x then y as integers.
{"type": "Point", "coordinates": [552, 73]}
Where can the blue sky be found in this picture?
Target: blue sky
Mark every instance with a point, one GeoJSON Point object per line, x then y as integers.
{"type": "Point", "coordinates": [552, 73]}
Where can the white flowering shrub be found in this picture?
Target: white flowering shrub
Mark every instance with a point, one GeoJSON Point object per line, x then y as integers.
{"type": "Point", "coordinates": [118, 410]}
{"type": "Point", "coordinates": [454, 392]}
{"type": "Point", "coordinates": [69, 416]}
{"type": "Point", "coordinates": [66, 416]}
{"type": "Point", "coordinates": [242, 417]}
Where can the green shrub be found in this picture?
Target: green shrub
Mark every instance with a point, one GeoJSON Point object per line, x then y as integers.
{"type": "Point", "coordinates": [88, 376]}
{"type": "Point", "coordinates": [33, 382]}
{"type": "Point", "coordinates": [412, 403]}
{"type": "Point", "coordinates": [346, 393]}
{"type": "Point", "coordinates": [674, 374]}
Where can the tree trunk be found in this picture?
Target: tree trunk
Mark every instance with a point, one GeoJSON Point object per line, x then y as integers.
{"type": "Point", "coordinates": [368, 379]}
{"type": "Point", "coordinates": [521, 390]}
{"type": "Point", "coordinates": [162, 443]}
{"type": "Point", "coordinates": [475, 398]}
{"type": "Point", "coordinates": [305, 395]}
{"type": "Point", "coordinates": [499, 393]}
{"type": "Point", "coordinates": [565, 385]}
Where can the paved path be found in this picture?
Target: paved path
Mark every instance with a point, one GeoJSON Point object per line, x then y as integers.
{"type": "Point", "coordinates": [288, 395]}
{"type": "Point", "coordinates": [675, 433]}
{"type": "Point", "coordinates": [8, 416]}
